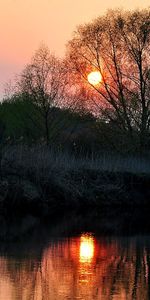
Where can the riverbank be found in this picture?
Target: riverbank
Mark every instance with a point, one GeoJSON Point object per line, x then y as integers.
{"type": "Point", "coordinates": [79, 190]}
{"type": "Point", "coordinates": [46, 184]}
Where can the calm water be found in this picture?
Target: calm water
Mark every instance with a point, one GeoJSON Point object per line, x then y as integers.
{"type": "Point", "coordinates": [83, 267]}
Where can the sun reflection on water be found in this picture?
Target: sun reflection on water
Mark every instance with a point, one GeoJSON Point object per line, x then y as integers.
{"type": "Point", "coordinates": [86, 248]}
{"type": "Point", "coordinates": [83, 267]}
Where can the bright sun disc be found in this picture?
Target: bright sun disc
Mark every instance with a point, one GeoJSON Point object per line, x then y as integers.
{"type": "Point", "coordinates": [94, 78]}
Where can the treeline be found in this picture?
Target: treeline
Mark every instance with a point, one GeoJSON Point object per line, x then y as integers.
{"type": "Point", "coordinates": [21, 123]}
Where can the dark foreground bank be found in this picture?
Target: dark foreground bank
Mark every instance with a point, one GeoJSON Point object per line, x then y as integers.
{"type": "Point", "coordinates": [81, 190]}
{"type": "Point", "coordinates": [39, 184]}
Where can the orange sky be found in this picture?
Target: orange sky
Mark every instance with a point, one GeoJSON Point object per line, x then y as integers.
{"type": "Point", "coordinates": [24, 24]}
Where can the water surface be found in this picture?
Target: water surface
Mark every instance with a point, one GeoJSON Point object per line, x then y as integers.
{"type": "Point", "coordinates": [84, 267]}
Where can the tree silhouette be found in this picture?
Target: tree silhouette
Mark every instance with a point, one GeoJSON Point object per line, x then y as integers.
{"type": "Point", "coordinates": [43, 82]}
{"type": "Point", "coordinates": [118, 46]}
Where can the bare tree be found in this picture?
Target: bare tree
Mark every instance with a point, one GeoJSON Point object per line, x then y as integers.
{"type": "Point", "coordinates": [118, 46]}
{"type": "Point", "coordinates": [43, 82]}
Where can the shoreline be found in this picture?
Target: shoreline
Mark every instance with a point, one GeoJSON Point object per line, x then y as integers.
{"type": "Point", "coordinates": [82, 188]}
{"type": "Point", "coordinates": [39, 184]}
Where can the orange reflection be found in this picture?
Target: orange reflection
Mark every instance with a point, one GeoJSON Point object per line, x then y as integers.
{"type": "Point", "coordinates": [86, 248]}
{"type": "Point", "coordinates": [79, 268]}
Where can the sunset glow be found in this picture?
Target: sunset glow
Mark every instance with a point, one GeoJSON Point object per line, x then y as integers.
{"type": "Point", "coordinates": [95, 78]}
{"type": "Point", "coordinates": [49, 21]}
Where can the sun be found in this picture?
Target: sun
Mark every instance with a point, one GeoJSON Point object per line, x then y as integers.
{"type": "Point", "coordinates": [94, 78]}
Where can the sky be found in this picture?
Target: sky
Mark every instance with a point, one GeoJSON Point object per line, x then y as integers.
{"type": "Point", "coordinates": [25, 24]}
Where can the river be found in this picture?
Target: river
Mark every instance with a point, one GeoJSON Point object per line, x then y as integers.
{"type": "Point", "coordinates": [83, 267]}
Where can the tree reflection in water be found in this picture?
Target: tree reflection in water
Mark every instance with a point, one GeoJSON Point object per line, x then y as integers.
{"type": "Point", "coordinates": [80, 268]}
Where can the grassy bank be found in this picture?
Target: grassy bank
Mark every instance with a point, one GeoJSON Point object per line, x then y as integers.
{"type": "Point", "coordinates": [44, 182]}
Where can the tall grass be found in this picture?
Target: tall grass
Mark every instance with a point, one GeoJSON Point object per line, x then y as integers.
{"type": "Point", "coordinates": [44, 180]}
{"type": "Point", "coordinates": [43, 159]}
